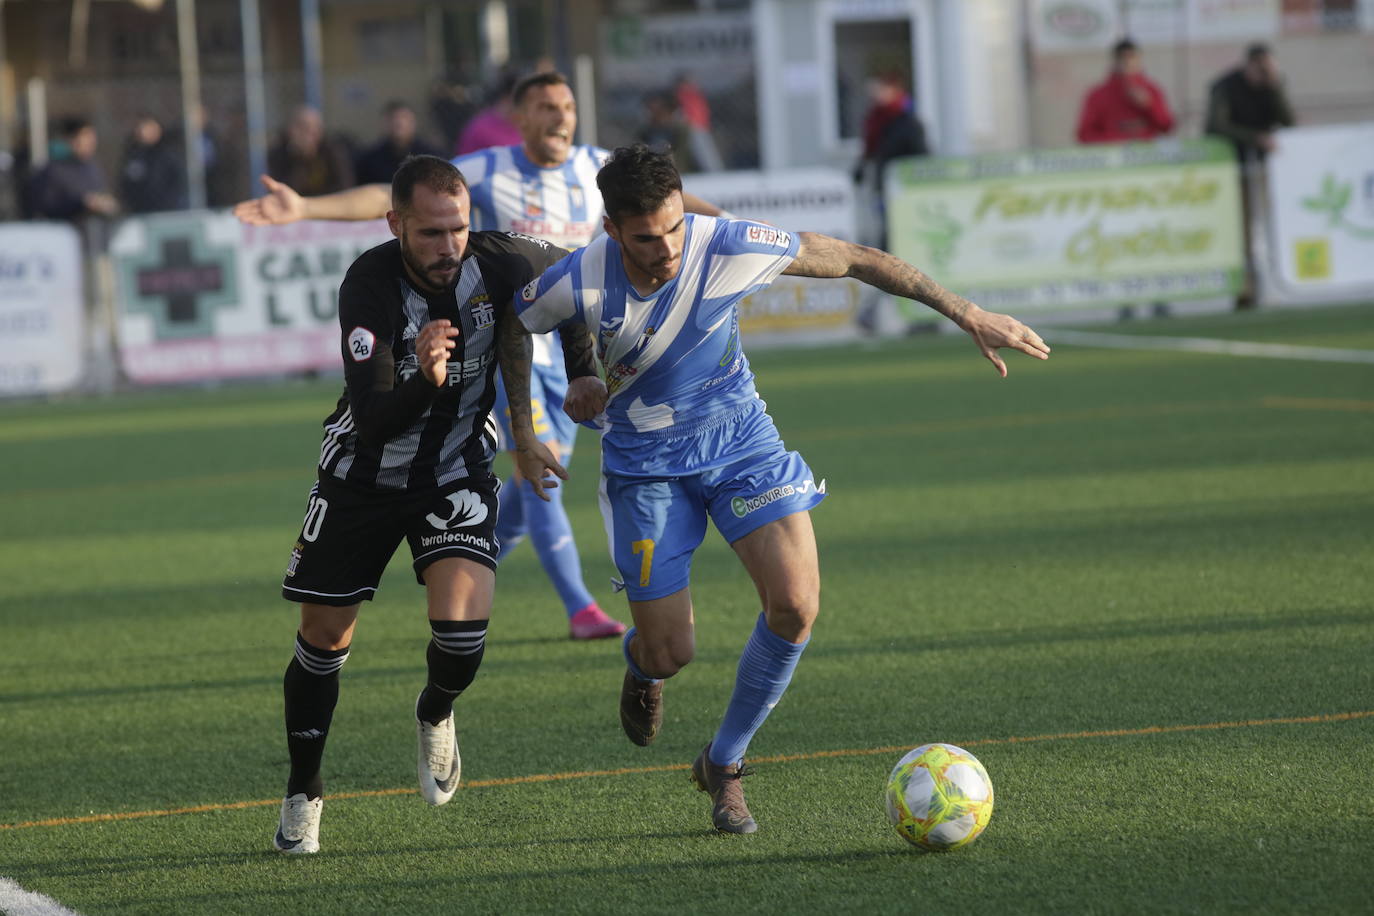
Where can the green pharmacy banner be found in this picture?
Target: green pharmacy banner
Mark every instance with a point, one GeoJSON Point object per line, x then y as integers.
{"type": "Point", "coordinates": [1090, 226]}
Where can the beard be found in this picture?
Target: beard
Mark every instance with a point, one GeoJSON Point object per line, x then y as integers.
{"type": "Point", "coordinates": [427, 272]}
{"type": "Point", "coordinates": [661, 270]}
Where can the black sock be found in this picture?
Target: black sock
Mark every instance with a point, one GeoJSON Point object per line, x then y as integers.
{"type": "Point", "coordinates": [310, 688]}
{"type": "Point", "coordinates": [454, 654]}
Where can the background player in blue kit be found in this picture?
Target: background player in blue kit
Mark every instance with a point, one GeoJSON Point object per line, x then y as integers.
{"type": "Point", "coordinates": [685, 435]}
{"type": "Point", "coordinates": [546, 188]}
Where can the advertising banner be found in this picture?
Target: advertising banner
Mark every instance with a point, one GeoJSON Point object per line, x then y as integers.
{"type": "Point", "coordinates": [199, 295]}
{"type": "Point", "coordinates": [1088, 226]}
{"type": "Point", "coordinates": [798, 200]}
{"type": "Point", "coordinates": [1321, 210]}
{"type": "Point", "coordinates": [41, 306]}
{"type": "Point", "coordinates": [1083, 25]}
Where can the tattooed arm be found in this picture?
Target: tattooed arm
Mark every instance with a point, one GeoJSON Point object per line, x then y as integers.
{"type": "Point", "coordinates": [579, 349]}
{"type": "Point", "coordinates": [533, 460]}
{"type": "Point", "coordinates": [823, 256]}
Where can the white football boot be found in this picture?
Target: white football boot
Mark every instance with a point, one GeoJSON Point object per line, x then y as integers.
{"type": "Point", "coordinates": [298, 832]}
{"type": "Point", "coordinates": [438, 764]}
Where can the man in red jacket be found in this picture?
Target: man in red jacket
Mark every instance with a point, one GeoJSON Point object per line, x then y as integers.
{"type": "Point", "coordinates": [1127, 105]}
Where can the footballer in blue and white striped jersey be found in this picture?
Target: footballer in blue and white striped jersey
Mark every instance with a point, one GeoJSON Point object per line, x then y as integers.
{"type": "Point", "coordinates": [560, 204]}
{"type": "Point", "coordinates": [673, 361]}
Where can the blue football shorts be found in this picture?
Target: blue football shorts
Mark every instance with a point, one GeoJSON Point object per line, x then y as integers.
{"type": "Point", "coordinates": [656, 524]}
{"type": "Point", "coordinates": [548, 388]}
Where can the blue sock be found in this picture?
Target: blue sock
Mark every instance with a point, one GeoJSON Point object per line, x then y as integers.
{"type": "Point", "coordinates": [552, 537]}
{"type": "Point", "coordinates": [765, 669]}
{"type": "Point", "coordinates": [629, 660]}
{"type": "Point", "coordinates": [510, 518]}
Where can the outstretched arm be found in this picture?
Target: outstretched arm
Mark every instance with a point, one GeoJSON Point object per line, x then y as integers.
{"type": "Point", "coordinates": [281, 204]}
{"type": "Point", "coordinates": [533, 459]}
{"type": "Point", "coordinates": [823, 256]}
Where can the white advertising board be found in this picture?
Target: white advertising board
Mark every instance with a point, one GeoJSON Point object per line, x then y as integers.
{"type": "Point", "coordinates": [202, 296]}
{"type": "Point", "coordinates": [799, 200]}
{"type": "Point", "coordinates": [1081, 25]}
{"type": "Point", "coordinates": [1321, 209]}
{"type": "Point", "coordinates": [41, 307]}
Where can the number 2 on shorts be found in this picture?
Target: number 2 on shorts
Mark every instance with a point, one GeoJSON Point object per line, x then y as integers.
{"type": "Point", "coordinates": [645, 547]}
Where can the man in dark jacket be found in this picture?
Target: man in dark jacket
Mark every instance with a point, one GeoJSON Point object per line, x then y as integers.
{"type": "Point", "coordinates": [379, 162]}
{"type": "Point", "coordinates": [1245, 106]}
{"type": "Point", "coordinates": [150, 180]}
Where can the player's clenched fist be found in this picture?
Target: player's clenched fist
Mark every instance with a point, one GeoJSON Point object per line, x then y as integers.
{"type": "Point", "coordinates": [432, 347]}
{"type": "Point", "coordinates": [586, 398]}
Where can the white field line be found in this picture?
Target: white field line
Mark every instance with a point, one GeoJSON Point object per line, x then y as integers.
{"type": "Point", "coordinates": [16, 901]}
{"type": "Point", "coordinates": [1209, 345]}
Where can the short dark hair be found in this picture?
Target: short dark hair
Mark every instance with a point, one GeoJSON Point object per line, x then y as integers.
{"type": "Point", "coordinates": [636, 181]}
{"type": "Point", "coordinates": [435, 173]}
{"type": "Point", "coordinates": [1122, 46]}
{"type": "Point", "coordinates": [72, 125]}
{"type": "Point", "coordinates": [395, 105]}
{"type": "Point", "coordinates": [547, 78]}
{"type": "Point", "coordinates": [1257, 50]}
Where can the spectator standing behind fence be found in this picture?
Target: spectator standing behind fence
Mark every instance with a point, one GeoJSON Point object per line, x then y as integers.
{"type": "Point", "coordinates": [73, 186]}
{"type": "Point", "coordinates": [1127, 105]}
{"type": "Point", "coordinates": [495, 124]}
{"type": "Point", "coordinates": [1245, 106]}
{"type": "Point", "coordinates": [307, 159]}
{"type": "Point", "coordinates": [151, 178]}
{"type": "Point", "coordinates": [379, 162]}
{"type": "Point", "coordinates": [665, 130]}
{"type": "Point", "coordinates": [891, 130]}
{"type": "Point", "coordinates": [696, 111]}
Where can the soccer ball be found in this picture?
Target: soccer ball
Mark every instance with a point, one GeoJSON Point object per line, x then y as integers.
{"type": "Point", "coordinates": [939, 797]}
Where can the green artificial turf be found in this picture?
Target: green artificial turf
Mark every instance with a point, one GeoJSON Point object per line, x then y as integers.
{"type": "Point", "coordinates": [1154, 565]}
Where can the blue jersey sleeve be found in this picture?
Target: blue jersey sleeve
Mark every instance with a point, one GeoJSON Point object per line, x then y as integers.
{"type": "Point", "coordinates": [742, 236]}
{"type": "Point", "coordinates": [551, 298]}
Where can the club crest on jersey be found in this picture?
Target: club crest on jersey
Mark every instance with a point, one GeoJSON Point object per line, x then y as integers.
{"type": "Point", "coordinates": [361, 343]}
{"type": "Point", "coordinates": [483, 312]}
{"type": "Point", "coordinates": [296, 553]}
{"type": "Point", "coordinates": [618, 375]}
{"type": "Point", "coordinates": [532, 201]}
{"type": "Point", "coordinates": [767, 235]}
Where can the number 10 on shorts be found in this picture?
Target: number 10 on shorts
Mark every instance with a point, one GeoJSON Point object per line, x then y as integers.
{"type": "Point", "coordinates": [646, 560]}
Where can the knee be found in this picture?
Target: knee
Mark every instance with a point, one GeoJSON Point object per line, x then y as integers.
{"type": "Point", "coordinates": [664, 658]}
{"type": "Point", "coordinates": [329, 630]}
{"type": "Point", "coordinates": [791, 615]}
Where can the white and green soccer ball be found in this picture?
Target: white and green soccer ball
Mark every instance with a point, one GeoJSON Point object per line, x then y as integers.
{"type": "Point", "coordinates": [939, 797]}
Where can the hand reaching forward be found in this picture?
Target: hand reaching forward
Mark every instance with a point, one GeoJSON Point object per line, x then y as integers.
{"type": "Point", "coordinates": [536, 465]}
{"type": "Point", "coordinates": [992, 331]}
{"type": "Point", "coordinates": [281, 204]}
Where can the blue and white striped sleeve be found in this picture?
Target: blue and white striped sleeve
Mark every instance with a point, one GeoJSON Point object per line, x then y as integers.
{"type": "Point", "coordinates": [550, 298]}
